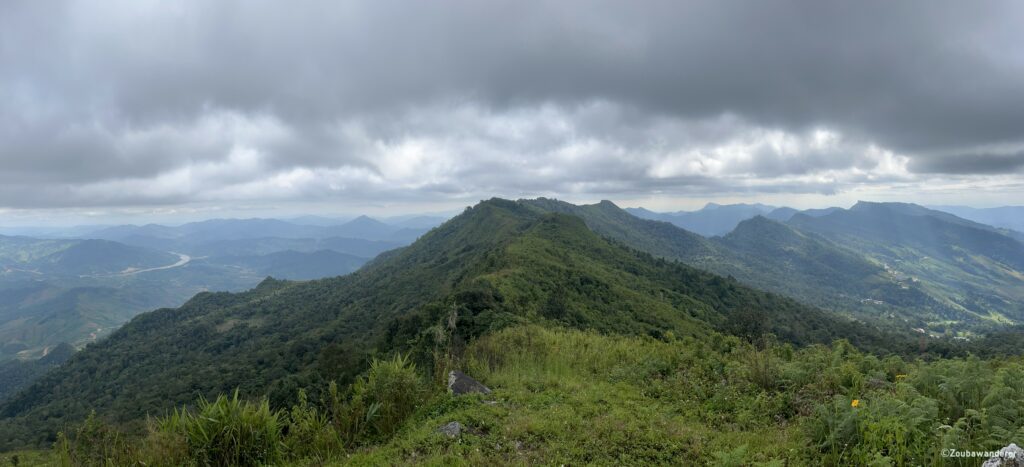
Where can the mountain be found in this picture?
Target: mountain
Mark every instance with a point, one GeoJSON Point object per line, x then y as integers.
{"type": "Point", "coordinates": [295, 265]}
{"type": "Point", "coordinates": [972, 268]}
{"type": "Point", "coordinates": [803, 265]}
{"type": "Point", "coordinates": [1005, 217]}
{"type": "Point", "coordinates": [15, 375]}
{"type": "Point", "coordinates": [498, 264]}
{"type": "Point", "coordinates": [658, 238]}
{"type": "Point", "coordinates": [713, 219]}
{"type": "Point", "coordinates": [18, 251]}
{"type": "Point", "coordinates": [364, 227]}
{"type": "Point", "coordinates": [77, 291]}
{"type": "Point", "coordinates": [73, 291]}
{"type": "Point", "coordinates": [206, 237]}
{"type": "Point", "coordinates": [777, 257]}
{"type": "Point", "coordinates": [784, 214]}
{"type": "Point", "coordinates": [101, 257]}
{"type": "Point", "coordinates": [266, 245]}
{"type": "Point", "coordinates": [417, 222]}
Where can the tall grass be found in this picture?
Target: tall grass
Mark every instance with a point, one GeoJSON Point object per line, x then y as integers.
{"type": "Point", "coordinates": [94, 443]}
{"type": "Point", "coordinates": [229, 431]}
{"type": "Point", "coordinates": [380, 402]}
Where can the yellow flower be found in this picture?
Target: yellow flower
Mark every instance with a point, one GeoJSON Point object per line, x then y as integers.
{"type": "Point", "coordinates": [900, 377]}
{"type": "Point", "coordinates": [855, 403]}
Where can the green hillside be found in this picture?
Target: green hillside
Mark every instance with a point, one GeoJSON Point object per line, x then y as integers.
{"type": "Point", "coordinates": [972, 269]}
{"type": "Point", "coordinates": [777, 257]}
{"type": "Point", "coordinates": [771, 256]}
{"type": "Point", "coordinates": [499, 264]}
{"type": "Point", "coordinates": [15, 375]}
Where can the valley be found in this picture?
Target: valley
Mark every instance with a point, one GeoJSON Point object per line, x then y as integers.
{"type": "Point", "coordinates": [548, 271]}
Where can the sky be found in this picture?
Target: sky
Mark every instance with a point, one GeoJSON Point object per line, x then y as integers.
{"type": "Point", "coordinates": [191, 108]}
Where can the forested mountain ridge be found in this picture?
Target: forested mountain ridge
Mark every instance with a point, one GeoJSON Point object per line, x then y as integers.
{"type": "Point", "coordinates": [500, 263]}
{"type": "Point", "coordinates": [771, 256]}
{"type": "Point", "coordinates": [895, 263]}
{"type": "Point", "coordinates": [15, 375]}
{"type": "Point", "coordinates": [973, 269]}
{"type": "Point", "coordinates": [777, 257]}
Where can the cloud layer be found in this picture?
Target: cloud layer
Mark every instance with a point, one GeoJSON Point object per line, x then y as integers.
{"type": "Point", "coordinates": [138, 103]}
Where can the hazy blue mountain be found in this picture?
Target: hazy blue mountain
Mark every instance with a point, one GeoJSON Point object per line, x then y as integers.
{"type": "Point", "coordinates": [194, 237]}
{"type": "Point", "coordinates": [364, 227]}
{"type": "Point", "coordinates": [1006, 217]}
{"type": "Point", "coordinates": [713, 219]}
{"type": "Point", "coordinates": [295, 265]}
{"type": "Point", "coordinates": [27, 257]}
{"type": "Point", "coordinates": [265, 245]}
{"type": "Point", "coordinates": [101, 257]}
{"type": "Point", "coordinates": [416, 222]}
{"type": "Point", "coordinates": [318, 220]}
{"type": "Point", "coordinates": [77, 291]}
{"type": "Point", "coordinates": [784, 214]}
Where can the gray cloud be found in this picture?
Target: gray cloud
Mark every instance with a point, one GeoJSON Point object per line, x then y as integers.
{"type": "Point", "coordinates": [976, 163]}
{"type": "Point", "coordinates": [145, 102]}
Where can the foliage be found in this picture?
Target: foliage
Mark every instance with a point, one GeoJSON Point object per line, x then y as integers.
{"type": "Point", "coordinates": [228, 431]}
{"type": "Point", "coordinates": [94, 443]}
{"type": "Point", "coordinates": [581, 397]}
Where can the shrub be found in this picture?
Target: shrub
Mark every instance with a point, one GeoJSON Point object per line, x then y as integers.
{"type": "Point", "coordinates": [310, 434]}
{"type": "Point", "coordinates": [229, 431]}
{"type": "Point", "coordinates": [94, 443]}
{"type": "Point", "coordinates": [380, 401]}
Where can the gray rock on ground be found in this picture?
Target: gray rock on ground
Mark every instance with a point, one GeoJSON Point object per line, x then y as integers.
{"type": "Point", "coordinates": [460, 383]}
{"type": "Point", "coordinates": [452, 429]}
{"type": "Point", "coordinates": [1010, 456]}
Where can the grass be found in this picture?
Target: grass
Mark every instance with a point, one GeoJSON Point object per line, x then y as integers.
{"type": "Point", "coordinates": [29, 459]}
{"type": "Point", "coordinates": [570, 397]}
{"type": "Point", "coordinates": [575, 397]}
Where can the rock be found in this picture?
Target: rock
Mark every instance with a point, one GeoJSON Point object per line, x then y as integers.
{"type": "Point", "coordinates": [451, 430]}
{"type": "Point", "coordinates": [460, 383]}
{"type": "Point", "coordinates": [1010, 456]}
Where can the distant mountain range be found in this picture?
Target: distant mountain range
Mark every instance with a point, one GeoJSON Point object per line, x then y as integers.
{"type": "Point", "coordinates": [871, 261]}
{"type": "Point", "coordinates": [1006, 217]}
{"type": "Point", "coordinates": [59, 290]}
{"type": "Point", "coordinates": [713, 219]}
{"type": "Point", "coordinates": [972, 268]}
{"type": "Point", "coordinates": [191, 237]}
{"type": "Point", "coordinates": [720, 219]}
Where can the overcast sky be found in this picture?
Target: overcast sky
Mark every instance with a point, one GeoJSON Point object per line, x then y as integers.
{"type": "Point", "coordinates": [183, 107]}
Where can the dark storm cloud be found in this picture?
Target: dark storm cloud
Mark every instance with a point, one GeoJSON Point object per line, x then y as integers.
{"type": "Point", "coordinates": [975, 163]}
{"type": "Point", "coordinates": [236, 99]}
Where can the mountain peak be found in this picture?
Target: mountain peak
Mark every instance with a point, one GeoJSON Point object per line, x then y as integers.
{"type": "Point", "coordinates": [906, 208]}
{"type": "Point", "coordinates": [364, 219]}
{"type": "Point", "coordinates": [760, 228]}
